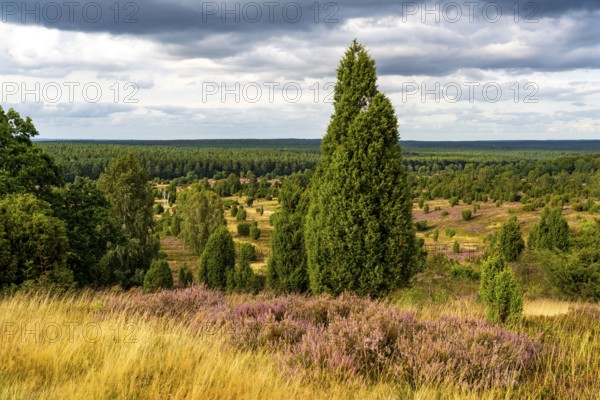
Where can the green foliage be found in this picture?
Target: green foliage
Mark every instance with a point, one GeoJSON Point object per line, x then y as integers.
{"type": "Point", "coordinates": [201, 214]}
{"type": "Point", "coordinates": [466, 215]}
{"type": "Point", "coordinates": [243, 278]}
{"type": "Point", "coordinates": [158, 277]}
{"type": "Point", "coordinates": [507, 300]}
{"type": "Point", "coordinates": [475, 208]}
{"type": "Point", "coordinates": [250, 201]}
{"type": "Point", "coordinates": [287, 267]}
{"type": "Point", "coordinates": [234, 210]}
{"type": "Point", "coordinates": [436, 234]}
{"type": "Point", "coordinates": [444, 213]}
{"type": "Point", "coordinates": [218, 260]}
{"type": "Point", "coordinates": [450, 232]}
{"type": "Point", "coordinates": [426, 208]}
{"type": "Point", "coordinates": [464, 273]}
{"type": "Point", "coordinates": [254, 232]}
{"type": "Point", "coordinates": [91, 229]}
{"type": "Point", "coordinates": [454, 201]}
{"type": "Point", "coordinates": [158, 209]}
{"type": "Point", "coordinates": [421, 226]}
{"type": "Point", "coordinates": [241, 214]}
{"type": "Point", "coordinates": [261, 211]}
{"type": "Point", "coordinates": [456, 247]}
{"type": "Point", "coordinates": [508, 241]}
{"type": "Point", "coordinates": [24, 168]}
{"type": "Point", "coordinates": [33, 243]}
{"type": "Point", "coordinates": [490, 269]}
{"type": "Point", "coordinates": [552, 232]}
{"type": "Point", "coordinates": [576, 276]}
{"type": "Point", "coordinates": [243, 228]}
{"type": "Point", "coordinates": [185, 277]}
{"type": "Point", "coordinates": [171, 193]}
{"type": "Point", "coordinates": [421, 203]}
{"type": "Point", "coordinates": [359, 232]}
{"type": "Point", "coordinates": [125, 185]}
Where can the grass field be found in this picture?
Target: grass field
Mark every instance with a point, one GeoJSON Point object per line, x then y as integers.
{"type": "Point", "coordinates": [80, 347]}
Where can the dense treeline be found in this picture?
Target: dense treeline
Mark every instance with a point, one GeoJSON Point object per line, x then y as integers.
{"type": "Point", "coordinates": [439, 173]}
{"type": "Point", "coordinates": [167, 163]}
{"type": "Point", "coordinates": [85, 233]}
{"type": "Point", "coordinates": [572, 176]}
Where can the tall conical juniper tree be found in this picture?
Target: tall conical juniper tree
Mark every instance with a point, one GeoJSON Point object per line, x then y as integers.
{"type": "Point", "coordinates": [359, 231]}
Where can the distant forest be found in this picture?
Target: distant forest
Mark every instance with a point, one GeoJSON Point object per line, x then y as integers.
{"type": "Point", "coordinates": [217, 159]}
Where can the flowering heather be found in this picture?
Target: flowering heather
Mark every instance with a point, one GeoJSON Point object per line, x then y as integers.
{"type": "Point", "coordinates": [350, 337]}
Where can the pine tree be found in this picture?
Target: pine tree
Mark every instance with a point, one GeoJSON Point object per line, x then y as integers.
{"type": "Point", "coordinates": [158, 277]}
{"type": "Point", "coordinates": [286, 270]}
{"type": "Point", "coordinates": [243, 279]}
{"type": "Point", "coordinates": [509, 242]}
{"type": "Point", "coordinates": [507, 300]}
{"type": "Point", "coordinates": [218, 260]}
{"type": "Point", "coordinates": [490, 269]}
{"type": "Point", "coordinates": [359, 232]}
{"type": "Point", "coordinates": [552, 232]}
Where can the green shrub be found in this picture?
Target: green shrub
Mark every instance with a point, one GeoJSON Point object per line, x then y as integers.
{"type": "Point", "coordinates": [454, 201]}
{"type": "Point", "coordinates": [242, 278]}
{"type": "Point", "coordinates": [261, 211]}
{"type": "Point", "coordinates": [426, 208]}
{"type": "Point", "coordinates": [421, 203]}
{"type": "Point", "coordinates": [450, 232]}
{"type": "Point", "coordinates": [243, 229]}
{"type": "Point", "coordinates": [508, 241]}
{"type": "Point", "coordinates": [444, 213]}
{"type": "Point", "coordinates": [475, 208]}
{"type": "Point", "coordinates": [490, 269]}
{"type": "Point", "coordinates": [436, 234]}
{"type": "Point", "coordinates": [185, 276]}
{"type": "Point", "coordinates": [552, 232]}
{"type": "Point", "coordinates": [466, 215]}
{"type": "Point", "coordinates": [218, 259]}
{"type": "Point", "coordinates": [254, 232]}
{"type": "Point", "coordinates": [234, 210]}
{"type": "Point", "coordinates": [507, 300]}
{"type": "Point", "coordinates": [241, 214]}
{"type": "Point", "coordinates": [464, 273]}
{"type": "Point", "coordinates": [576, 276]}
{"type": "Point", "coordinates": [158, 209]}
{"type": "Point", "coordinates": [158, 277]}
{"type": "Point", "coordinates": [250, 201]}
{"type": "Point", "coordinates": [456, 247]}
{"type": "Point", "coordinates": [421, 226]}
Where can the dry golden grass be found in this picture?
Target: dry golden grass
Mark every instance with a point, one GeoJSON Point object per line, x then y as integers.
{"type": "Point", "coordinates": [548, 307]}
{"type": "Point", "coordinates": [133, 359]}
{"type": "Point", "coordinates": [65, 348]}
{"type": "Point", "coordinates": [264, 242]}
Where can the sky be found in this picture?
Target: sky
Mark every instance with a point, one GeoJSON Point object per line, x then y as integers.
{"type": "Point", "coordinates": [181, 69]}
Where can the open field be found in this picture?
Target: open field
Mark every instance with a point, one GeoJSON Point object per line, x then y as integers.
{"type": "Point", "coordinates": [96, 345]}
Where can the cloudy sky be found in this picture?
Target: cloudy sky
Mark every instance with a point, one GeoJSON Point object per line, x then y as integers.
{"type": "Point", "coordinates": [182, 69]}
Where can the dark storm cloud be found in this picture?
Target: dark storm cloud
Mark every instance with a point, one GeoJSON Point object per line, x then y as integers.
{"type": "Point", "coordinates": [230, 30]}
{"type": "Point", "coordinates": [205, 18]}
